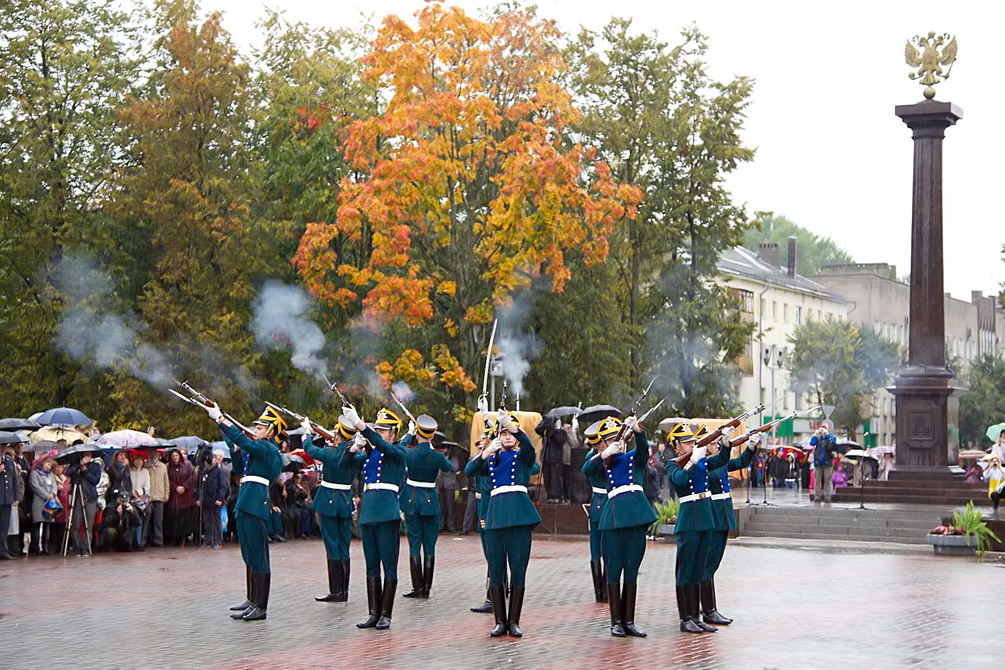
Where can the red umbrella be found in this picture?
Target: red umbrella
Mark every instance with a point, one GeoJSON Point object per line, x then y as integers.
{"type": "Point", "coordinates": [308, 461]}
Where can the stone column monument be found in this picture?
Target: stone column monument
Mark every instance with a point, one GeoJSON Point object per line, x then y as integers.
{"type": "Point", "coordinates": [924, 389]}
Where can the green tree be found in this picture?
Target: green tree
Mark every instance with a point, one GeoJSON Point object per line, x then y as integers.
{"type": "Point", "coordinates": [63, 69]}
{"type": "Point", "coordinates": [984, 402]}
{"type": "Point", "coordinates": [840, 365]}
{"type": "Point", "coordinates": [666, 127]}
{"type": "Point", "coordinates": [813, 251]}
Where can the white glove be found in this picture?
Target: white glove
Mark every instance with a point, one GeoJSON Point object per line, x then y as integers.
{"type": "Point", "coordinates": [558, 424]}
{"type": "Point", "coordinates": [306, 425]}
{"type": "Point", "coordinates": [359, 441]}
{"type": "Point", "coordinates": [351, 415]}
{"type": "Point", "coordinates": [728, 431]}
{"type": "Point", "coordinates": [494, 446]}
{"type": "Point", "coordinates": [575, 425]}
{"type": "Point", "coordinates": [631, 422]}
{"type": "Point", "coordinates": [612, 450]}
{"type": "Point", "coordinates": [755, 439]}
{"type": "Point", "coordinates": [411, 428]}
{"type": "Point", "coordinates": [214, 412]}
{"type": "Point", "coordinates": [505, 421]}
{"type": "Point", "coordinates": [698, 454]}
{"type": "Point", "coordinates": [483, 406]}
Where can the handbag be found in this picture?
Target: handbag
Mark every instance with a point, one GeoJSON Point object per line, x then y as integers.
{"type": "Point", "coordinates": [51, 509]}
{"type": "Point", "coordinates": [141, 502]}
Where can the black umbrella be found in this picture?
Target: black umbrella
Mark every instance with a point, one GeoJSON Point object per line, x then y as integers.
{"type": "Point", "coordinates": [596, 413]}
{"type": "Point", "coordinates": [844, 446]}
{"type": "Point", "coordinates": [9, 438]}
{"type": "Point", "coordinates": [453, 445]}
{"type": "Point", "coordinates": [564, 410]}
{"type": "Point", "coordinates": [292, 462]}
{"type": "Point", "coordinates": [14, 425]}
{"type": "Point", "coordinates": [78, 449]}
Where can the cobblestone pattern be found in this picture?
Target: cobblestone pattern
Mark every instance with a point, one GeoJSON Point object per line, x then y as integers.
{"type": "Point", "coordinates": [793, 608]}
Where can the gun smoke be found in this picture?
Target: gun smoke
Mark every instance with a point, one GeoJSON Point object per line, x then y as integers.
{"type": "Point", "coordinates": [516, 348]}
{"type": "Point", "coordinates": [281, 319]}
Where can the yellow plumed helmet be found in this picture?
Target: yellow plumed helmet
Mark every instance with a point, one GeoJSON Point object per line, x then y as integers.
{"type": "Point", "coordinates": [682, 432]}
{"type": "Point", "coordinates": [592, 434]}
{"type": "Point", "coordinates": [425, 426]}
{"type": "Point", "coordinates": [702, 432]}
{"type": "Point", "coordinates": [609, 427]}
{"type": "Point", "coordinates": [344, 429]}
{"type": "Point", "coordinates": [388, 420]}
{"type": "Point", "coordinates": [270, 417]}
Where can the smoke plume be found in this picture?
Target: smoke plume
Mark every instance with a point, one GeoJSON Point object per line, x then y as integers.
{"type": "Point", "coordinates": [516, 347]}
{"type": "Point", "coordinates": [281, 319]}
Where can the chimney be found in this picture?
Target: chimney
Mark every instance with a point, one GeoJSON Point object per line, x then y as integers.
{"type": "Point", "coordinates": [770, 253]}
{"type": "Point", "coordinates": [792, 257]}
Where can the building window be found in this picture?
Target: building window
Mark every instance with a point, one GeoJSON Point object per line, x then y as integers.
{"type": "Point", "coordinates": [799, 315]}
{"type": "Point", "coordinates": [785, 312]}
{"type": "Point", "coordinates": [799, 402]}
{"type": "Point", "coordinates": [745, 300]}
{"type": "Point", "coordinates": [774, 310]}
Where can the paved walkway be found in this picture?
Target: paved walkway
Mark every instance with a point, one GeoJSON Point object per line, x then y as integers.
{"type": "Point", "coordinates": [795, 605]}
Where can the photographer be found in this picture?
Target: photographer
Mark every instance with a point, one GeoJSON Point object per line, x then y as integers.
{"type": "Point", "coordinates": [824, 447]}
{"type": "Point", "coordinates": [119, 524]}
{"type": "Point", "coordinates": [84, 476]}
{"type": "Point", "coordinates": [212, 497]}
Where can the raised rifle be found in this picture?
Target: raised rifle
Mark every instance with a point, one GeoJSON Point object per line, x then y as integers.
{"type": "Point", "coordinates": [403, 408]}
{"type": "Point", "coordinates": [732, 423]}
{"type": "Point", "coordinates": [334, 388]}
{"type": "Point", "coordinates": [199, 400]}
{"type": "Point", "coordinates": [624, 432]}
{"type": "Point", "coordinates": [327, 435]}
{"type": "Point", "coordinates": [768, 426]}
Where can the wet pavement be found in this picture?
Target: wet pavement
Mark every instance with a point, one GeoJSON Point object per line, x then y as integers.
{"type": "Point", "coordinates": [795, 605]}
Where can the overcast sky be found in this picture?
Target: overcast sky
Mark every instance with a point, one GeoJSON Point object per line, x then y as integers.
{"type": "Point", "coordinates": [831, 155]}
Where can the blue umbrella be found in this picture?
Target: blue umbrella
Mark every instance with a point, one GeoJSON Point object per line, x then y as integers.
{"type": "Point", "coordinates": [66, 416]}
{"type": "Point", "coordinates": [189, 442]}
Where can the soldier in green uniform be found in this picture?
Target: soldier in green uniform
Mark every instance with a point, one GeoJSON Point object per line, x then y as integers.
{"type": "Point", "coordinates": [625, 518]}
{"type": "Point", "coordinates": [379, 514]}
{"type": "Point", "coordinates": [334, 505]}
{"type": "Point", "coordinates": [725, 520]}
{"type": "Point", "coordinates": [253, 506]}
{"type": "Point", "coordinates": [598, 481]}
{"type": "Point", "coordinates": [507, 462]}
{"type": "Point", "coordinates": [694, 521]}
{"type": "Point", "coordinates": [421, 505]}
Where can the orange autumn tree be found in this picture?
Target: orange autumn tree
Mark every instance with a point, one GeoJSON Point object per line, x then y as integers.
{"type": "Point", "coordinates": [467, 187]}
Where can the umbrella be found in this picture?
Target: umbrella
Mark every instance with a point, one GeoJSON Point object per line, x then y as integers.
{"type": "Point", "coordinates": [14, 425]}
{"type": "Point", "coordinates": [446, 445]}
{"type": "Point", "coordinates": [42, 446]}
{"type": "Point", "coordinates": [189, 442]}
{"type": "Point", "coordinates": [564, 410]}
{"type": "Point", "coordinates": [785, 452]}
{"type": "Point", "coordinates": [972, 453]}
{"type": "Point", "coordinates": [292, 462]}
{"type": "Point", "coordinates": [9, 438]}
{"type": "Point", "coordinates": [119, 439]}
{"type": "Point", "coordinates": [879, 452]}
{"type": "Point", "coordinates": [995, 431]}
{"type": "Point", "coordinates": [57, 434]}
{"type": "Point", "coordinates": [596, 413]}
{"type": "Point", "coordinates": [64, 416]}
{"type": "Point", "coordinates": [844, 446]}
{"type": "Point", "coordinates": [302, 455]}
{"type": "Point", "coordinates": [77, 449]}
{"type": "Point", "coordinates": [852, 455]}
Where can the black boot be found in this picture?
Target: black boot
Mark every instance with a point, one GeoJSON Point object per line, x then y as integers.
{"type": "Point", "coordinates": [344, 568]}
{"type": "Point", "coordinates": [498, 597]}
{"type": "Point", "coordinates": [427, 575]}
{"type": "Point", "coordinates": [334, 588]}
{"type": "Point", "coordinates": [628, 618]}
{"type": "Point", "coordinates": [388, 605]}
{"type": "Point", "coordinates": [603, 581]}
{"type": "Point", "coordinates": [598, 586]}
{"type": "Point", "coordinates": [247, 594]}
{"type": "Point", "coordinates": [614, 603]}
{"type": "Point", "coordinates": [415, 568]}
{"type": "Point", "coordinates": [709, 612]}
{"type": "Point", "coordinates": [695, 609]}
{"type": "Point", "coordinates": [485, 607]}
{"type": "Point", "coordinates": [684, 611]}
{"type": "Point", "coordinates": [515, 608]}
{"type": "Point", "coordinates": [262, 584]}
{"type": "Point", "coordinates": [373, 599]}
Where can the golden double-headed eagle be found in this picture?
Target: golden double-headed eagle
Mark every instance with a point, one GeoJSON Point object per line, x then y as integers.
{"type": "Point", "coordinates": [929, 62]}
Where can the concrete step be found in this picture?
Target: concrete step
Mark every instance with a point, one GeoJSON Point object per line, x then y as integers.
{"type": "Point", "coordinates": [843, 532]}
{"type": "Point", "coordinates": [915, 524]}
{"type": "Point", "coordinates": [828, 536]}
{"type": "Point", "coordinates": [828, 512]}
{"type": "Point", "coordinates": [915, 498]}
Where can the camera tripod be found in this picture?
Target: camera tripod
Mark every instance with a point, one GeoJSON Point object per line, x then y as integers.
{"type": "Point", "coordinates": [77, 495]}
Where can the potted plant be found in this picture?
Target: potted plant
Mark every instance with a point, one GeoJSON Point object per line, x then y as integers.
{"type": "Point", "coordinates": [967, 534]}
{"type": "Point", "coordinates": [666, 516]}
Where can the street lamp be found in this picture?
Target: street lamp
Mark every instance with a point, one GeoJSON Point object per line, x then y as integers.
{"type": "Point", "coordinates": [774, 358]}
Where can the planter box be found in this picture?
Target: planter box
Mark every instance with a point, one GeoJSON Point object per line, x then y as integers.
{"type": "Point", "coordinates": [665, 531]}
{"type": "Point", "coordinates": [952, 545]}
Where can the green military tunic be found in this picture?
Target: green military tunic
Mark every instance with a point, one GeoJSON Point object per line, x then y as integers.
{"type": "Point", "coordinates": [253, 509]}
{"type": "Point", "coordinates": [419, 501]}
{"type": "Point", "coordinates": [598, 482]}
{"type": "Point", "coordinates": [333, 500]}
{"type": "Point", "coordinates": [722, 509]}
{"type": "Point", "coordinates": [695, 519]}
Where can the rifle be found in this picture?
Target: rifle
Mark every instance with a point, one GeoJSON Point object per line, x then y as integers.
{"type": "Point", "coordinates": [768, 426]}
{"type": "Point", "coordinates": [403, 408]}
{"type": "Point", "coordinates": [502, 400]}
{"type": "Point", "coordinates": [622, 435]}
{"type": "Point", "coordinates": [732, 423]}
{"type": "Point", "coordinates": [334, 388]}
{"type": "Point", "coordinates": [326, 434]}
{"type": "Point", "coordinates": [201, 401]}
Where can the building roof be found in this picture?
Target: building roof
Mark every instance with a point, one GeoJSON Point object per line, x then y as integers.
{"type": "Point", "coordinates": [743, 262]}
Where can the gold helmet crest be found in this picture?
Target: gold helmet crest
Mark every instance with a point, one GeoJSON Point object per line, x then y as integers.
{"type": "Point", "coordinates": [387, 420]}
{"type": "Point", "coordinates": [270, 417]}
{"type": "Point", "coordinates": [682, 432]}
{"type": "Point", "coordinates": [609, 427]}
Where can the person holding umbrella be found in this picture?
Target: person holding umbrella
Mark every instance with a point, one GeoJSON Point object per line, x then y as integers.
{"type": "Point", "coordinates": [333, 503]}
{"type": "Point", "coordinates": [43, 484]}
{"type": "Point", "coordinates": [10, 494]}
{"type": "Point", "coordinates": [263, 465]}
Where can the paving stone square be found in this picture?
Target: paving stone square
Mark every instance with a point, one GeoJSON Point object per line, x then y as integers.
{"type": "Point", "coordinates": [795, 605]}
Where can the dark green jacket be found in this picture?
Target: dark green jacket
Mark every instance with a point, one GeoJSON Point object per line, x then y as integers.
{"type": "Point", "coordinates": [506, 510]}
{"type": "Point", "coordinates": [598, 480]}
{"type": "Point", "coordinates": [695, 515]}
{"type": "Point", "coordinates": [424, 464]}
{"type": "Point", "coordinates": [630, 508]}
{"type": "Point", "coordinates": [333, 502]}
{"type": "Point", "coordinates": [718, 483]}
{"type": "Point", "coordinates": [262, 460]}
{"type": "Point", "coordinates": [384, 465]}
